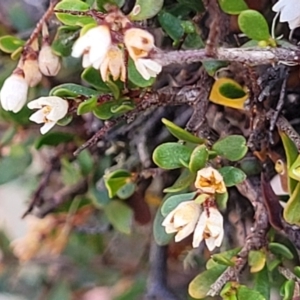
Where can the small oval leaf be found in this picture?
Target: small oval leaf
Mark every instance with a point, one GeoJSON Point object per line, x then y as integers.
{"type": "Point", "coordinates": [232, 176]}
{"type": "Point", "coordinates": [181, 134]}
{"type": "Point", "coordinates": [260, 31]}
{"type": "Point", "coordinates": [232, 147]}
{"type": "Point", "coordinates": [171, 155]}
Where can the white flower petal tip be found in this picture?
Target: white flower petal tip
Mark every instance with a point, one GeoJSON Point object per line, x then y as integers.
{"type": "Point", "coordinates": [289, 12]}
{"type": "Point", "coordinates": [209, 228]}
{"type": "Point", "coordinates": [13, 94]}
{"type": "Point", "coordinates": [182, 219]}
{"type": "Point", "coordinates": [277, 186]}
{"type": "Point", "coordinates": [93, 45]}
{"type": "Point", "coordinates": [50, 110]}
{"type": "Point", "coordinates": [210, 181]}
{"type": "Point", "coordinates": [147, 68]}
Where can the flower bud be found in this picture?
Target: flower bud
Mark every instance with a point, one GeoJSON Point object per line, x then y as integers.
{"type": "Point", "coordinates": [33, 76]}
{"type": "Point", "coordinates": [13, 94]}
{"type": "Point", "coordinates": [49, 63]}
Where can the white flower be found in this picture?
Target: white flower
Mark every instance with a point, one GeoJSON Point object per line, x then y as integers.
{"type": "Point", "coordinates": [113, 64]}
{"type": "Point", "coordinates": [93, 45]}
{"type": "Point", "coordinates": [49, 63]}
{"type": "Point", "coordinates": [182, 219]}
{"type": "Point", "coordinates": [210, 228]}
{"type": "Point", "coordinates": [210, 181]}
{"type": "Point", "coordinates": [289, 12]}
{"type": "Point", "coordinates": [51, 109]}
{"type": "Point", "coordinates": [139, 43]}
{"type": "Point", "coordinates": [147, 67]}
{"type": "Point", "coordinates": [13, 94]}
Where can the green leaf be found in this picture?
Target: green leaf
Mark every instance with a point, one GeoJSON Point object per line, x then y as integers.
{"type": "Point", "coordinates": [160, 236]}
{"type": "Point", "coordinates": [260, 31]}
{"type": "Point", "coordinates": [112, 108]}
{"type": "Point", "coordinates": [291, 211]}
{"type": "Point", "coordinates": [10, 44]}
{"type": "Point", "coordinates": [193, 41]}
{"type": "Point", "coordinates": [85, 161]}
{"type": "Point", "coordinates": [294, 170]}
{"type": "Point", "coordinates": [64, 40]}
{"type": "Point", "coordinates": [171, 25]}
{"type": "Point", "coordinates": [115, 90]}
{"type": "Point", "coordinates": [126, 190]}
{"type": "Point", "coordinates": [169, 155]}
{"type": "Point", "coordinates": [287, 290]}
{"type": "Point", "coordinates": [119, 215]}
{"type": "Point", "coordinates": [198, 158]}
{"type": "Point", "coordinates": [15, 164]}
{"type": "Point", "coordinates": [72, 90]}
{"type": "Point", "coordinates": [185, 179]}
{"type": "Point", "coordinates": [145, 9]}
{"type": "Point", "coordinates": [173, 201]}
{"type": "Point", "coordinates": [136, 78]}
{"type": "Point", "coordinates": [233, 7]}
{"type": "Point", "coordinates": [53, 139]}
{"type": "Point", "coordinates": [87, 106]}
{"type": "Point", "coordinates": [222, 260]}
{"type": "Point", "coordinates": [181, 134]}
{"type": "Point", "coordinates": [232, 147]}
{"type": "Point", "coordinates": [297, 271]}
{"type": "Point", "coordinates": [226, 255]}
{"type": "Point", "coordinates": [212, 66]}
{"type": "Point", "coordinates": [231, 91]}
{"type": "Point", "coordinates": [245, 293]}
{"type": "Point", "coordinates": [291, 153]}
{"type": "Point", "coordinates": [201, 284]}
{"type": "Point", "coordinates": [232, 176]}
{"type": "Point", "coordinates": [262, 282]}
{"type": "Point", "coordinates": [222, 200]}
{"type": "Point", "coordinates": [256, 260]}
{"type": "Point", "coordinates": [73, 20]}
{"type": "Point", "coordinates": [70, 172]}
{"type": "Point", "coordinates": [282, 250]}
{"type": "Point", "coordinates": [116, 180]}
{"type": "Point", "coordinates": [99, 196]}
{"type": "Point", "coordinates": [92, 77]}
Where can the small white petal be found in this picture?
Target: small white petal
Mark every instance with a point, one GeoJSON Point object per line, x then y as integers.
{"type": "Point", "coordinates": [86, 60]}
{"type": "Point", "coordinates": [219, 239]}
{"type": "Point", "coordinates": [142, 69]}
{"type": "Point", "coordinates": [294, 23]}
{"type": "Point", "coordinates": [80, 46]}
{"type": "Point", "coordinates": [276, 185]}
{"type": "Point", "coordinates": [185, 231]}
{"type": "Point", "coordinates": [38, 117]}
{"type": "Point", "coordinates": [279, 5]}
{"type": "Point", "coordinates": [210, 243]}
{"type": "Point", "coordinates": [44, 129]}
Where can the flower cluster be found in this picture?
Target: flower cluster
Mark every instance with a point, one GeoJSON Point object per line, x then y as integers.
{"type": "Point", "coordinates": [100, 49]}
{"type": "Point", "coordinates": [33, 64]}
{"type": "Point", "coordinates": [204, 220]}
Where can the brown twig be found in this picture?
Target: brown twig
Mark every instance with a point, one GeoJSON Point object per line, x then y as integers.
{"type": "Point", "coordinates": [63, 195]}
{"type": "Point", "coordinates": [39, 25]}
{"type": "Point", "coordinates": [250, 188]}
{"type": "Point", "coordinates": [249, 56]}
